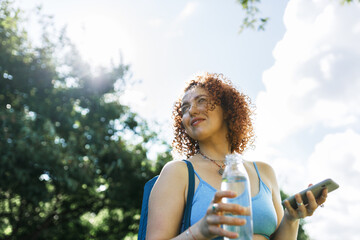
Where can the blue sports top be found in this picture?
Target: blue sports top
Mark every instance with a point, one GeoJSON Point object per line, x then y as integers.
{"type": "Point", "coordinates": [263, 211]}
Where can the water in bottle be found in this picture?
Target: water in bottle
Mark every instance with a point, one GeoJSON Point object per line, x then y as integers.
{"type": "Point", "coordinates": [235, 178]}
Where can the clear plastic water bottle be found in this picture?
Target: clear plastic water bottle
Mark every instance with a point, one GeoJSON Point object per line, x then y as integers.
{"type": "Point", "coordinates": [235, 178]}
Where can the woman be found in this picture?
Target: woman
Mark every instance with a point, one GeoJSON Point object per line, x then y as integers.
{"type": "Point", "coordinates": [211, 120]}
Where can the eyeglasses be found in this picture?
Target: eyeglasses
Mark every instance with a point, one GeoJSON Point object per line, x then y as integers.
{"type": "Point", "coordinates": [199, 102]}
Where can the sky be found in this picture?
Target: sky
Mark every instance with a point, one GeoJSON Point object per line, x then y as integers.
{"type": "Point", "coordinates": [302, 73]}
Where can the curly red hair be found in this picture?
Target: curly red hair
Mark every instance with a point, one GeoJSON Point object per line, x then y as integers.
{"type": "Point", "coordinates": [236, 106]}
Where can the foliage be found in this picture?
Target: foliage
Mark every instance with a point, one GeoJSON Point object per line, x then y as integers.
{"type": "Point", "coordinates": [251, 19]}
{"type": "Point", "coordinates": [72, 158]}
{"type": "Point", "coordinates": [348, 1]}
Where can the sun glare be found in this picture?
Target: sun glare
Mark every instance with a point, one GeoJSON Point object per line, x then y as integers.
{"type": "Point", "coordinates": [101, 39]}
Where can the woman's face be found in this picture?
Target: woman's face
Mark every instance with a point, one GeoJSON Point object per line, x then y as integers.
{"type": "Point", "coordinates": [199, 120]}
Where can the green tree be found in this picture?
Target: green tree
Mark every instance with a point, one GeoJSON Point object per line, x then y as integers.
{"type": "Point", "coordinates": [72, 158]}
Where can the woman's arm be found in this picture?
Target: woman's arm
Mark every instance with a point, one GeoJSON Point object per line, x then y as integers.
{"type": "Point", "coordinates": [167, 202]}
{"type": "Point", "coordinates": [288, 227]}
{"type": "Point", "coordinates": [288, 221]}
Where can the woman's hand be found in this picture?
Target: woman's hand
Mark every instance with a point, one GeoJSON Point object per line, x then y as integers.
{"type": "Point", "coordinates": [305, 210]}
{"type": "Point", "coordinates": [210, 225]}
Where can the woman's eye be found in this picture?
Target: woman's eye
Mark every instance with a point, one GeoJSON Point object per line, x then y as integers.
{"type": "Point", "coordinates": [202, 100]}
{"type": "Point", "coordinates": [184, 109]}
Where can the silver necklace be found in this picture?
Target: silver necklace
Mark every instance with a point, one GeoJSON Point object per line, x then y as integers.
{"type": "Point", "coordinates": [221, 168]}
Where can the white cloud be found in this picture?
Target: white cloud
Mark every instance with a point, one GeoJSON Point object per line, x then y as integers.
{"type": "Point", "coordinates": [315, 78]}
{"type": "Point", "coordinates": [174, 33]}
{"type": "Point", "coordinates": [175, 28]}
{"type": "Point", "coordinates": [308, 116]}
{"type": "Point", "coordinates": [189, 10]}
{"type": "Point", "coordinates": [155, 22]}
{"type": "Point", "coordinates": [337, 156]}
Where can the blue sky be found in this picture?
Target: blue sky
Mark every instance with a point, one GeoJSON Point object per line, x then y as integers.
{"type": "Point", "coordinates": [165, 42]}
{"type": "Point", "coordinates": [302, 73]}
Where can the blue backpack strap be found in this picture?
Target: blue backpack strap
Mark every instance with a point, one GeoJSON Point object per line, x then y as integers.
{"type": "Point", "coordinates": [191, 188]}
{"type": "Point", "coordinates": [144, 208]}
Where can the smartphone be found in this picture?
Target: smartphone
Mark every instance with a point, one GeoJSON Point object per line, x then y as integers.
{"type": "Point", "coordinates": [315, 189]}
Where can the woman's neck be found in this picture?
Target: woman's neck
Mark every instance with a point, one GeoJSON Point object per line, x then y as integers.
{"type": "Point", "coordinates": [215, 150]}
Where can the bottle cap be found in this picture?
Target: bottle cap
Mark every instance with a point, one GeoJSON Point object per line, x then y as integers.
{"type": "Point", "coordinates": [232, 158]}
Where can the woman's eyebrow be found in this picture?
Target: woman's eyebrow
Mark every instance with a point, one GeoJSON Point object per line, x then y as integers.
{"type": "Point", "coordinates": [197, 97]}
{"type": "Point", "coordinates": [201, 95]}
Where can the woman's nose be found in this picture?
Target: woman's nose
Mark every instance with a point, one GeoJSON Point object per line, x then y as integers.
{"type": "Point", "coordinates": [193, 108]}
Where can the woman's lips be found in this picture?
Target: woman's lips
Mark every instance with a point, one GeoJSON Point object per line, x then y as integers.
{"type": "Point", "coordinates": [197, 122]}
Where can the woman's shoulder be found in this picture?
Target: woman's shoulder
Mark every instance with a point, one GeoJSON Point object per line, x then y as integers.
{"type": "Point", "coordinates": [174, 165]}
{"type": "Point", "coordinates": [174, 169]}
{"type": "Point", "coordinates": [266, 171]}
{"type": "Point", "coordinates": [264, 167]}
{"type": "Point", "coordinates": [259, 164]}
{"type": "Point", "coordinates": [172, 179]}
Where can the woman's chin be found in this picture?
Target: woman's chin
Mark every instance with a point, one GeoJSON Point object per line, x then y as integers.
{"type": "Point", "coordinates": [200, 136]}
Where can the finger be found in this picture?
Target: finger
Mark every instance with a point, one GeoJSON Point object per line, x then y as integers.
{"type": "Point", "coordinates": [221, 194]}
{"type": "Point", "coordinates": [320, 200]}
{"type": "Point", "coordinates": [290, 209]}
{"type": "Point", "coordinates": [301, 210]}
{"type": "Point", "coordinates": [219, 231]}
{"type": "Point", "coordinates": [227, 220]}
{"type": "Point", "coordinates": [229, 208]}
{"type": "Point", "coordinates": [312, 205]}
{"type": "Point", "coordinates": [213, 208]}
